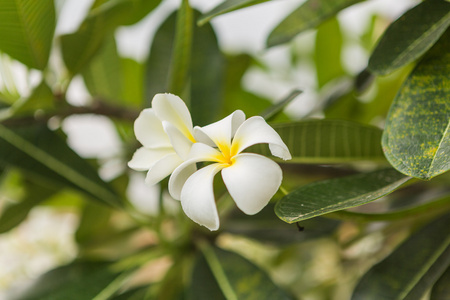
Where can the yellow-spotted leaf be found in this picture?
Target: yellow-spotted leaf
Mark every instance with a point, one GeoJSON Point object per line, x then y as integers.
{"type": "Point", "coordinates": [410, 36]}
{"type": "Point", "coordinates": [416, 140]}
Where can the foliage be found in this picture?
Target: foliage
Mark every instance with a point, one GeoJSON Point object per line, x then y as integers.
{"type": "Point", "coordinates": [363, 176]}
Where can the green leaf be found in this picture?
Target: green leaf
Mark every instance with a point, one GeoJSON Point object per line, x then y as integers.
{"type": "Point", "coordinates": [410, 36]}
{"type": "Point", "coordinates": [41, 153]}
{"type": "Point", "coordinates": [40, 99]}
{"type": "Point", "coordinates": [94, 223]}
{"type": "Point", "coordinates": [207, 74]}
{"type": "Point", "coordinates": [138, 293]}
{"type": "Point", "coordinates": [416, 140]}
{"type": "Point", "coordinates": [26, 30]}
{"type": "Point", "coordinates": [195, 75]}
{"type": "Point", "coordinates": [159, 60]}
{"type": "Point", "coordinates": [179, 71]}
{"type": "Point", "coordinates": [441, 289]}
{"type": "Point", "coordinates": [236, 277]}
{"type": "Point", "coordinates": [133, 82]}
{"type": "Point", "coordinates": [265, 227]}
{"type": "Point", "coordinates": [412, 268]}
{"type": "Point", "coordinates": [76, 281]}
{"type": "Point", "coordinates": [309, 15]}
{"type": "Point", "coordinates": [226, 7]}
{"type": "Point", "coordinates": [80, 47]}
{"type": "Point", "coordinates": [103, 76]}
{"type": "Point", "coordinates": [327, 56]}
{"type": "Point", "coordinates": [328, 141]}
{"type": "Point", "coordinates": [13, 214]}
{"type": "Point", "coordinates": [336, 194]}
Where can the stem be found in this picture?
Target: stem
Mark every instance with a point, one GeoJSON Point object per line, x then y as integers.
{"type": "Point", "coordinates": [217, 270]}
{"type": "Point", "coordinates": [283, 190]}
{"type": "Point", "coordinates": [436, 207]}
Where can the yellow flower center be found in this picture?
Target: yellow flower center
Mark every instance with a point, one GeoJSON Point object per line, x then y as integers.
{"type": "Point", "coordinates": [227, 153]}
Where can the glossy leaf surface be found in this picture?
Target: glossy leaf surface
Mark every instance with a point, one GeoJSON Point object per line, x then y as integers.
{"type": "Point", "coordinates": [328, 141]}
{"type": "Point", "coordinates": [336, 194]}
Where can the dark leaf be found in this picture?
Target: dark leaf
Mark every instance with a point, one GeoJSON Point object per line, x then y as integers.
{"type": "Point", "coordinates": [412, 268]}
{"type": "Point", "coordinates": [410, 36]}
{"type": "Point", "coordinates": [323, 197]}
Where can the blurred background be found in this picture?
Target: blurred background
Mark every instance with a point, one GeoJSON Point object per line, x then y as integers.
{"type": "Point", "coordinates": [46, 238]}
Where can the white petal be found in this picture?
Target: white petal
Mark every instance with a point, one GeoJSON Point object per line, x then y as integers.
{"type": "Point", "coordinates": [199, 152]}
{"type": "Point", "coordinates": [149, 130]}
{"type": "Point", "coordinates": [221, 131]}
{"type": "Point", "coordinates": [181, 144]}
{"type": "Point", "coordinates": [197, 197]}
{"type": "Point", "coordinates": [172, 109]}
{"type": "Point", "coordinates": [162, 168]}
{"type": "Point", "coordinates": [255, 130]}
{"type": "Point", "coordinates": [252, 180]}
{"type": "Point", "coordinates": [202, 152]}
{"type": "Point", "coordinates": [144, 158]}
{"type": "Point", "coordinates": [179, 177]}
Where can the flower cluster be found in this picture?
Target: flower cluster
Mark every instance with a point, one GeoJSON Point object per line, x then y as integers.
{"type": "Point", "coordinates": [171, 145]}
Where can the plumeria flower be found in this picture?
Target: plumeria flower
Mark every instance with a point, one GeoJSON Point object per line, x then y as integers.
{"type": "Point", "coordinates": [251, 179]}
{"type": "Point", "coordinates": [166, 134]}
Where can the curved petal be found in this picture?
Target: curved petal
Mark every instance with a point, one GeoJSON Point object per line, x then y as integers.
{"type": "Point", "coordinates": [197, 197]}
{"type": "Point", "coordinates": [172, 109]}
{"type": "Point", "coordinates": [252, 180]}
{"type": "Point", "coordinates": [221, 131]}
{"type": "Point", "coordinates": [199, 152]}
{"type": "Point", "coordinates": [144, 158]}
{"type": "Point", "coordinates": [162, 168]}
{"type": "Point", "coordinates": [178, 179]}
{"type": "Point", "coordinates": [255, 130]}
{"type": "Point", "coordinates": [181, 144]}
{"type": "Point", "coordinates": [149, 130]}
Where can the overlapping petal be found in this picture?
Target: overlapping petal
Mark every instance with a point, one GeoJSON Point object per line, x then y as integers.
{"type": "Point", "coordinates": [197, 197]}
{"type": "Point", "coordinates": [162, 168]}
{"type": "Point", "coordinates": [252, 181]}
{"type": "Point", "coordinates": [220, 132]}
{"type": "Point", "coordinates": [149, 130]}
{"type": "Point", "coordinates": [199, 153]}
{"type": "Point", "coordinates": [255, 130]}
{"type": "Point", "coordinates": [144, 158]}
{"type": "Point", "coordinates": [181, 143]}
{"type": "Point", "coordinates": [172, 146]}
{"type": "Point", "coordinates": [172, 109]}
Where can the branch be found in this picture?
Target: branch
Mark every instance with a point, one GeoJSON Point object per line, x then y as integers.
{"type": "Point", "coordinates": [99, 107]}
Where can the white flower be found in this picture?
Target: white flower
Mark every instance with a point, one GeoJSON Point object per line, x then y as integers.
{"type": "Point", "coordinates": [251, 179]}
{"type": "Point", "coordinates": [166, 134]}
